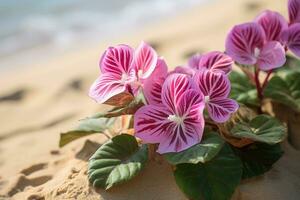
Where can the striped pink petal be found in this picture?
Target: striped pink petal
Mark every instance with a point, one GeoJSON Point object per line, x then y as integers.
{"type": "Point", "coordinates": [173, 88]}
{"type": "Point", "coordinates": [153, 84]}
{"type": "Point", "coordinates": [273, 24]}
{"type": "Point", "coordinates": [105, 87]}
{"type": "Point", "coordinates": [243, 41]}
{"type": "Point", "coordinates": [220, 109]}
{"type": "Point", "coordinates": [294, 11]}
{"type": "Point", "coordinates": [291, 37]}
{"type": "Point", "coordinates": [272, 56]}
{"type": "Point", "coordinates": [213, 85]}
{"type": "Point", "coordinates": [216, 87]}
{"type": "Point", "coordinates": [187, 129]}
{"type": "Point", "coordinates": [145, 59]}
{"type": "Point", "coordinates": [117, 60]}
{"type": "Point", "coordinates": [151, 123]}
{"type": "Point", "coordinates": [216, 61]}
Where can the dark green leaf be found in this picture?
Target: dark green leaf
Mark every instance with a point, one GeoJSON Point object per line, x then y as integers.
{"type": "Point", "coordinates": [214, 180]}
{"type": "Point", "coordinates": [242, 90]}
{"type": "Point", "coordinates": [117, 161]}
{"type": "Point", "coordinates": [285, 90]}
{"type": "Point", "coordinates": [209, 147]}
{"type": "Point", "coordinates": [258, 158]}
{"type": "Point", "coordinates": [262, 128]}
{"type": "Point", "coordinates": [86, 127]}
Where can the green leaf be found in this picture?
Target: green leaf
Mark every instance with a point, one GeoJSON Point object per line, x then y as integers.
{"type": "Point", "coordinates": [292, 64]}
{"type": "Point", "coordinates": [285, 90]}
{"type": "Point", "coordinates": [209, 147]}
{"type": "Point", "coordinates": [129, 109]}
{"type": "Point", "coordinates": [117, 161]}
{"type": "Point", "coordinates": [262, 128]}
{"type": "Point", "coordinates": [242, 90]}
{"type": "Point", "coordinates": [214, 180]}
{"type": "Point", "coordinates": [258, 158]}
{"type": "Point", "coordinates": [86, 127]}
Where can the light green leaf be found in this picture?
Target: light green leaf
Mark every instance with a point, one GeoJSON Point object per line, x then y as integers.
{"type": "Point", "coordinates": [86, 127]}
{"type": "Point", "coordinates": [117, 161]}
{"type": "Point", "coordinates": [258, 158]}
{"type": "Point", "coordinates": [242, 90]}
{"type": "Point", "coordinates": [285, 90]}
{"type": "Point", "coordinates": [206, 150]}
{"type": "Point", "coordinates": [262, 128]}
{"type": "Point", "coordinates": [214, 180]}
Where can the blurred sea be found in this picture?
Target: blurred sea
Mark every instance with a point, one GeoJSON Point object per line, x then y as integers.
{"type": "Point", "coordinates": [26, 24]}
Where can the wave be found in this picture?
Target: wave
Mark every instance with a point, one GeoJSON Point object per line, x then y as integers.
{"type": "Point", "coordinates": [31, 23]}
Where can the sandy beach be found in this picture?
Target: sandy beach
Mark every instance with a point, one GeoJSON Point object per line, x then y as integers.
{"type": "Point", "coordinates": [40, 101]}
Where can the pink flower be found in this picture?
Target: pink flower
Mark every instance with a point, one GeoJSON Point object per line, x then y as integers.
{"type": "Point", "coordinates": [294, 11]}
{"type": "Point", "coordinates": [122, 68]}
{"type": "Point", "coordinates": [216, 88]}
{"type": "Point", "coordinates": [214, 61]}
{"type": "Point", "coordinates": [276, 27]}
{"type": "Point", "coordinates": [177, 123]}
{"type": "Point", "coordinates": [291, 37]}
{"type": "Point", "coordinates": [247, 44]}
{"type": "Point", "coordinates": [273, 24]}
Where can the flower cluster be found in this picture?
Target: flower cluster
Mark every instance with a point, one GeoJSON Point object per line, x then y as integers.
{"type": "Point", "coordinates": [173, 115]}
{"type": "Point", "coordinates": [124, 71]}
{"type": "Point", "coordinates": [264, 41]}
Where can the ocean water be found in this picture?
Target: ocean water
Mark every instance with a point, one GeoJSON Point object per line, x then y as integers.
{"type": "Point", "coordinates": [26, 24]}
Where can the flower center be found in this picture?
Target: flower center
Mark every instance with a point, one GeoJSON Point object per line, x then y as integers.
{"type": "Point", "coordinates": [206, 99]}
{"type": "Point", "coordinates": [124, 78]}
{"type": "Point", "coordinates": [176, 119]}
{"type": "Point", "coordinates": [140, 73]}
{"type": "Point", "coordinates": [256, 52]}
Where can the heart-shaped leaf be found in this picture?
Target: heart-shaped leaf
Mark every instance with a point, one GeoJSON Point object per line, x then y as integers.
{"type": "Point", "coordinates": [262, 128]}
{"type": "Point", "coordinates": [285, 90]}
{"type": "Point", "coordinates": [86, 127]}
{"type": "Point", "coordinates": [214, 180]}
{"type": "Point", "coordinates": [117, 161]}
{"type": "Point", "coordinates": [209, 147]}
{"type": "Point", "coordinates": [258, 158]}
{"type": "Point", "coordinates": [242, 90]}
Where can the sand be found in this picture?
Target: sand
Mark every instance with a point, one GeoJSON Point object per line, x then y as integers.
{"type": "Point", "coordinates": [37, 104]}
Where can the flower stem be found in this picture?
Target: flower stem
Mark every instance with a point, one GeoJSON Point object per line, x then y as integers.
{"type": "Point", "coordinates": [258, 88]}
{"type": "Point", "coordinates": [266, 79]}
{"type": "Point", "coordinates": [257, 83]}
